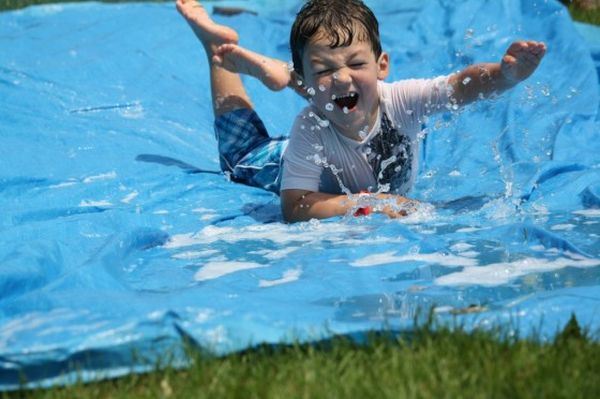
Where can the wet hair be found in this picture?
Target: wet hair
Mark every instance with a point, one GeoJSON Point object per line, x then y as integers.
{"type": "Point", "coordinates": [335, 20]}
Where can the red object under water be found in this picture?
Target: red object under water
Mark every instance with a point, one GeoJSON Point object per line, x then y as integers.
{"type": "Point", "coordinates": [365, 210]}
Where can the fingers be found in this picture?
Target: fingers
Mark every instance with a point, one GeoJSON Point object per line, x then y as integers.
{"type": "Point", "coordinates": [522, 59]}
{"type": "Point", "coordinates": [403, 208]}
{"type": "Point", "coordinates": [530, 51]}
{"type": "Point", "coordinates": [509, 60]}
{"type": "Point", "coordinates": [538, 48]}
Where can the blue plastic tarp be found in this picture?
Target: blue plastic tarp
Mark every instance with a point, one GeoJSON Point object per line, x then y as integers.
{"type": "Point", "coordinates": [117, 243]}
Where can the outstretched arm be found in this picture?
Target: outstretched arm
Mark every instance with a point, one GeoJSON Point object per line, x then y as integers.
{"type": "Point", "coordinates": [520, 61]}
{"type": "Point", "coordinates": [301, 205]}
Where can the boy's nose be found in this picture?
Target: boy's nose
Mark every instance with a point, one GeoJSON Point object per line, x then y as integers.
{"type": "Point", "coordinates": [342, 76]}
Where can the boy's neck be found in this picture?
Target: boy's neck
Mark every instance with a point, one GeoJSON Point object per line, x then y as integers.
{"type": "Point", "coordinates": [359, 134]}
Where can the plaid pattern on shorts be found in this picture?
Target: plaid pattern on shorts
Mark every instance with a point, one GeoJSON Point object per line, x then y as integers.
{"type": "Point", "coordinates": [246, 152]}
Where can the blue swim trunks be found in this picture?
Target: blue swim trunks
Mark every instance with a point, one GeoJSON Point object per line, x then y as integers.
{"type": "Point", "coordinates": [246, 152]}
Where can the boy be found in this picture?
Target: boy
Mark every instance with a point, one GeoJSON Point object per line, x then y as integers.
{"type": "Point", "coordinates": [358, 135]}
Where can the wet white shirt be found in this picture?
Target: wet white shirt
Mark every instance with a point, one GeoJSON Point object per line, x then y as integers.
{"type": "Point", "coordinates": [319, 158]}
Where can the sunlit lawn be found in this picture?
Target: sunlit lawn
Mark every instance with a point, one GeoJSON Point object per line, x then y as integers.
{"type": "Point", "coordinates": [429, 363]}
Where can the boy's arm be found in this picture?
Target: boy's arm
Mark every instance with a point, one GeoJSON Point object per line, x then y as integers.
{"type": "Point", "coordinates": [302, 205]}
{"type": "Point", "coordinates": [520, 61]}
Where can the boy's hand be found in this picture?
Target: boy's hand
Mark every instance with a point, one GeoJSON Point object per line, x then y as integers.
{"type": "Point", "coordinates": [521, 59]}
{"type": "Point", "coordinates": [398, 206]}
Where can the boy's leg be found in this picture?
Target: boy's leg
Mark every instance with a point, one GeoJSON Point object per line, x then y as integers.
{"type": "Point", "coordinates": [273, 73]}
{"type": "Point", "coordinates": [227, 91]}
{"type": "Point", "coordinates": [247, 153]}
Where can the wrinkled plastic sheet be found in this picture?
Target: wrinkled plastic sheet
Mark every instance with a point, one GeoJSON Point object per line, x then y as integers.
{"type": "Point", "coordinates": [120, 242]}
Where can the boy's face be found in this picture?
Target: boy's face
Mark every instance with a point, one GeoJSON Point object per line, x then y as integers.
{"type": "Point", "coordinates": [344, 80]}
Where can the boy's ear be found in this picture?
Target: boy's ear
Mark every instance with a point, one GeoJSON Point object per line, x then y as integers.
{"type": "Point", "coordinates": [383, 66]}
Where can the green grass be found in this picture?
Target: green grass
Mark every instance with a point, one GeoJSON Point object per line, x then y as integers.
{"type": "Point", "coordinates": [582, 15]}
{"type": "Point", "coordinates": [589, 17]}
{"type": "Point", "coordinates": [431, 364]}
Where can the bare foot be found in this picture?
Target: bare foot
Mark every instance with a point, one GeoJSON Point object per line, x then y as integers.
{"type": "Point", "coordinates": [274, 74]}
{"type": "Point", "coordinates": [211, 34]}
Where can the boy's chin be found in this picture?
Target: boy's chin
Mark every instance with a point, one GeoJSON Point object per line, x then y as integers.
{"type": "Point", "coordinates": [351, 126]}
{"type": "Point", "coordinates": [354, 118]}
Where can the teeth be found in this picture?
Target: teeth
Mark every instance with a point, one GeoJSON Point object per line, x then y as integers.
{"type": "Point", "coordinates": [351, 95]}
{"type": "Point", "coordinates": [347, 101]}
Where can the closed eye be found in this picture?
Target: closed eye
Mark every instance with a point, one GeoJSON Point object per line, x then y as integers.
{"type": "Point", "coordinates": [323, 72]}
{"type": "Point", "coordinates": [357, 65]}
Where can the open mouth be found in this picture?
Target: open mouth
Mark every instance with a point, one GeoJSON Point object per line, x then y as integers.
{"type": "Point", "coordinates": [348, 101]}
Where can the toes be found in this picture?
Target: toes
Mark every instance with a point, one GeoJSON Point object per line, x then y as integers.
{"type": "Point", "coordinates": [225, 48]}
{"type": "Point", "coordinates": [217, 60]}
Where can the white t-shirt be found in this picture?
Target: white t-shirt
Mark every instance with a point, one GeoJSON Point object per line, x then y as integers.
{"type": "Point", "coordinates": [320, 159]}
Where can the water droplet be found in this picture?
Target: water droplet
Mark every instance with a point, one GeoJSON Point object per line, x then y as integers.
{"type": "Point", "coordinates": [329, 107]}
{"type": "Point", "coordinates": [299, 83]}
{"type": "Point", "coordinates": [333, 97]}
{"type": "Point", "coordinates": [346, 110]}
{"type": "Point", "coordinates": [322, 88]}
{"type": "Point", "coordinates": [311, 91]}
{"type": "Point", "coordinates": [314, 223]}
{"type": "Point", "coordinates": [545, 91]}
{"type": "Point", "coordinates": [466, 81]}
